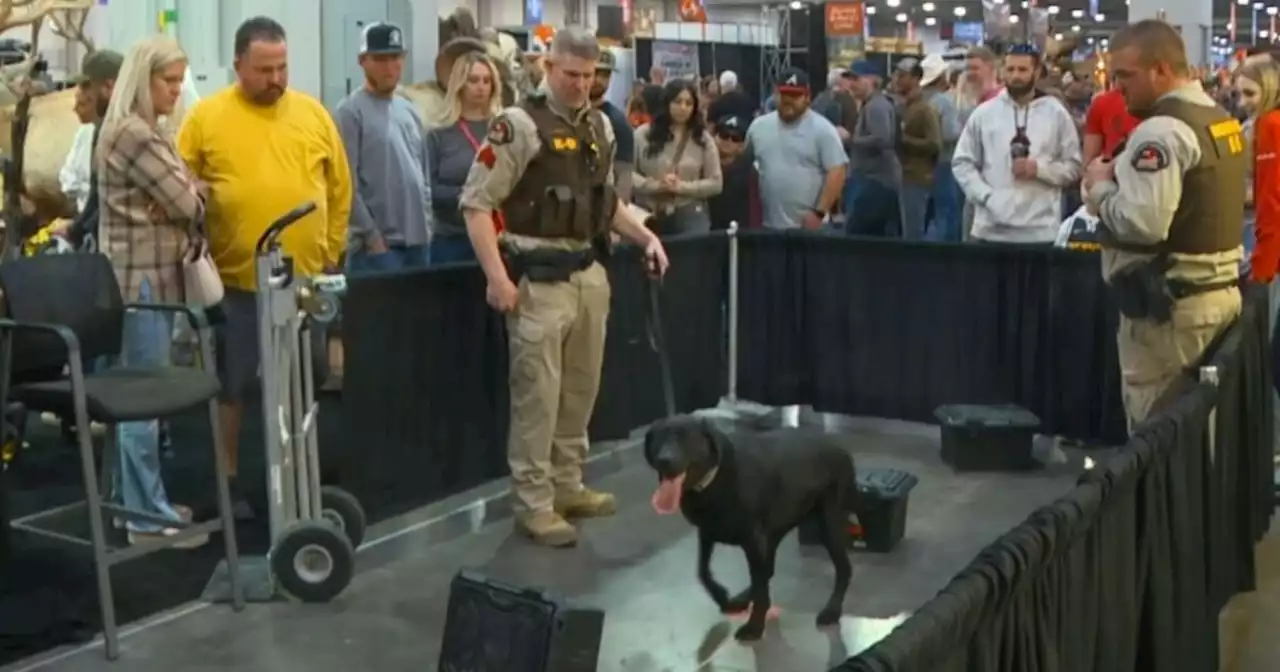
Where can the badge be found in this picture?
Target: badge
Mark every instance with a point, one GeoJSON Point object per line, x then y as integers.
{"type": "Point", "coordinates": [500, 132]}
{"type": "Point", "coordinates": [1150, 157]}
{"type": "Point", "coordinates": [486, 156]}
{"type": "Point", "coordinates": [564, 143]}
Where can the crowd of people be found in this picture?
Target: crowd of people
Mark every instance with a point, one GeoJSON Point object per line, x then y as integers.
{"type": "Point", "coordinates": [1000, 150]}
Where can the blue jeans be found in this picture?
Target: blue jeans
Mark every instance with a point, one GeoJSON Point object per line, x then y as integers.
{"type": "Point", "coordinates": [361, 262]}
{"type": "Point", "coordinates": [876, 211]}
{"type": "Point", "coordinates": [147, 338]}
{"type": "Point", "coordinates": [948, 206]}
{"type": "Point", "coordinates": [451, 248]}
{"type": "Point", "coordinates": [915, 209]}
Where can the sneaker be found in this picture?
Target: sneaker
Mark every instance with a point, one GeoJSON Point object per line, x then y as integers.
{"type": "Point", "coordinates": [586, 503]}
{"type": "Point", "coordinates": [547, 528]}
{"type": "Point", "coordinates": [184, 513]}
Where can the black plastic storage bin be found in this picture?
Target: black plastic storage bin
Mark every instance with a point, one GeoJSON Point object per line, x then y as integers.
{"type": "Point", "coordinates": [879, 521]}
{"type": "Point", "coordinates": [540, 633]}
{"type": "Point", "coordinates": [988, 438]}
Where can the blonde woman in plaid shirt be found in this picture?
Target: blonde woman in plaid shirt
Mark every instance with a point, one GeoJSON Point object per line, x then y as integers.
{"type": "Point", "coordinates": [150, 205]}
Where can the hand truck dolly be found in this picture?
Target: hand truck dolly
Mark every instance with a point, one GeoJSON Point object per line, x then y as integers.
{"type": "Point", "coordinates": [314, 529]}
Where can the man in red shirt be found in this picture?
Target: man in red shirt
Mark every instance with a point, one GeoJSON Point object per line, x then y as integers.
{"type": "Point", "coordinates": [1106, 126]}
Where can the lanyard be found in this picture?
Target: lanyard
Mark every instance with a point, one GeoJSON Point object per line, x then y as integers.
{"type": "Point", "coordinates": [471, 138]}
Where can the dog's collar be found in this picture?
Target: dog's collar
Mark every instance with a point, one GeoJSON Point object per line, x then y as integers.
{"type": "Point", "coordinates": [707, 479]}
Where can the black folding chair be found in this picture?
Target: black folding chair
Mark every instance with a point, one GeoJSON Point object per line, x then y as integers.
{"type": "Point", "coordinates": [61, 312]}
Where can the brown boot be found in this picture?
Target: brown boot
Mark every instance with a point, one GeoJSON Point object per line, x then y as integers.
{"type": "Point", "coordinates": [586, 503]}
{"type": "Point", "coordinates": [547, 528]}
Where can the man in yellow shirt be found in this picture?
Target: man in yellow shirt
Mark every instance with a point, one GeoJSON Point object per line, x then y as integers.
{"type": "Point", "coordinates": [263, 150]}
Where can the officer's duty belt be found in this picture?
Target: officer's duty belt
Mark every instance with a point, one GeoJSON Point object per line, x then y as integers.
{"type": "Point", "coordinates": [1181, 289]}
{"type": "Point", "coordinates": [547, 265]}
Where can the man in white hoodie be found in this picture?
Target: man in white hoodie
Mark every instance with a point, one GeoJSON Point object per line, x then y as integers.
{"type": "Point", "coordinates": [1017, 152]}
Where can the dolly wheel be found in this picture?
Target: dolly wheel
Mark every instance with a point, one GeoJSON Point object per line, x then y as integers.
{"type": "Point", "coordinates": [341, 508]}
{"type": "Point", "coordinates": [313, 561]}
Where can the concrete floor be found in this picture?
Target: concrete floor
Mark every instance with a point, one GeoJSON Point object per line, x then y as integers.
{"type": "Point", "coordinates": [637, 566]}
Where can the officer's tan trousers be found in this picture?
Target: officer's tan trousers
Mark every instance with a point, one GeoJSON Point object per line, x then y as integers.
{"type": "Point", "coordinates": [556, 338]}
{"type": "Point", "coordinates": [1153, 356]}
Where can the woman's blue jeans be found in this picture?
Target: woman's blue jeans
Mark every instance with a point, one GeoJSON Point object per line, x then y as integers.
{"type": "Point", "coordinates": [147, 339]}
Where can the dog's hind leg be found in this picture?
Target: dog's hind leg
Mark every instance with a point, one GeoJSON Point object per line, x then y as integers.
{"type": "Point", "coordinates": [835, 536]}
{"type": "Point", "coordinates": [717, 592]}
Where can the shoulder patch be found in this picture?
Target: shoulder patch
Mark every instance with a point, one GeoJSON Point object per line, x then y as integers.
{"type": "Point", "coordinates": [1150, 157]}
{"type": "Point", "coordinates": [500, 132]}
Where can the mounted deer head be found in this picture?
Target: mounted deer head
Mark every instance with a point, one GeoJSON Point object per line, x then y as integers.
{"type": "Point", "coordinates": [68, 18]}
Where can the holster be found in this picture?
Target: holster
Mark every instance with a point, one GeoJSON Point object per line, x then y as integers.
{"type": "Point", "coordinates": [1142, 292]}
{"type": "Point", "coordinates": [546, 266]}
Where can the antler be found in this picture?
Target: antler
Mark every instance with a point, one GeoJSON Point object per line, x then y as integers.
{"type": "Point", "coordinates": [18, 13]}
{"type": "Point", "coordinates": [69, 25]}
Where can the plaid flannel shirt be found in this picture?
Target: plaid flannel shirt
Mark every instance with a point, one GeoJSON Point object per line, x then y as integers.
{"type": "Point", "coordinates": [150, 207]}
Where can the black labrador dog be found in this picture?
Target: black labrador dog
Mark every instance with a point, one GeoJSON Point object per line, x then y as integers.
{"type": "Point", "coordinates": [750, 490]}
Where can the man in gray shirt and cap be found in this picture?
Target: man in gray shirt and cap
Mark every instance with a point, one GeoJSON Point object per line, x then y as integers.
{"type": "Point", "coordinates": [873, 159]}
{"type": "Point", "coordinates": [390, 225]}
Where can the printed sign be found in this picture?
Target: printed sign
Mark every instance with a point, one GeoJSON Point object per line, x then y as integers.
{"type": "Point", "coordinates": [846, 19]}
{"type": "Point", "coordinates": [678, 60]}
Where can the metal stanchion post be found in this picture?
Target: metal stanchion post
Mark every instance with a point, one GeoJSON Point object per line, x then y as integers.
{"type": "Point", "coordinates": [1209, 374]}
{"type": "Point", "coordinates": [731, 318]}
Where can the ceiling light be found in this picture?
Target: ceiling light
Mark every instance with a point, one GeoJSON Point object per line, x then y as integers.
{"type": "Point", "coordinates": [1077, 13]}
{"type": "Point", "coordinates": [959, 11]}
{"type": "Point", "coordinates": [796, 5]}
{"type": "Point", "coordinates": [1271, 11]}
{"type": "Point", "coordinates": [1242, 2]}
{"type": "Point", "coordinates": [871, 10]}
{"type": "Point", "coordinates": [1054, 9]}
{"type": "Point", "coordinates": [1057, 36]}
{"type": "Point", "coordinates": [928, 7]}
{"type": "Point", "coordinates": [1099, 17]}
{"type": "Point", "coordinates": [893, 3]}
{"type": "Point", "coordinates": [1075, 29]}
{"type": "Point", "coordinates": [930, 21]}
{"type": "Point", "coordinates": [1013, 18]}
{"type": "Point", "coordinates": [901, 18]}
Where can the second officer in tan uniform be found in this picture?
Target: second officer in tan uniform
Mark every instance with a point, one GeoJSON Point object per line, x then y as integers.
{"type": "Point", "coordinates": [547, 165]}
{"type": "Point", "coordinates": [1171, 211]}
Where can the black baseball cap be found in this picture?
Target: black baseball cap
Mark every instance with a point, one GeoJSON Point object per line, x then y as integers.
{"type": "Point", "coordinates": [793, 80]}
{"type": "Point", "coordinates": [382, 38]}
{"type": "Point", "coordinates": [732, 125]}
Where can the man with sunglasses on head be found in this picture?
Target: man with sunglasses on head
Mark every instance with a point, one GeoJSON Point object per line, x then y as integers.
{"type": "Point", "coordinates": [1015, 156]}
{"type": "Point", "coordinates": [799, 156]}
{"type": "Point", "coordinates": [1171, 216]}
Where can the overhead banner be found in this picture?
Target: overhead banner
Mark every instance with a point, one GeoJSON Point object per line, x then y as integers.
{"type": "Point", "coordinates": [846, 30]}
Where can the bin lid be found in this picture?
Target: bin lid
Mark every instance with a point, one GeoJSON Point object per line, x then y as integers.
{"type": "Point", "coordinates": [992, 415]}
{"type": "Point", "coordinates": [887, 483]}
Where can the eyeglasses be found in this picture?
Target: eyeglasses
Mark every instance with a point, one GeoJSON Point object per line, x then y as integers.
{"type": "Point", "coordinates": [732, 137]}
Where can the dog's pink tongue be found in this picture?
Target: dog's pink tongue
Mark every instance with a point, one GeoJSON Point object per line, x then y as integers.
{"type": "Point", "coordinates": [666, 499]}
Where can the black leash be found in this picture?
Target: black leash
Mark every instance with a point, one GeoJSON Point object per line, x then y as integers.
{"type": "Point", "coordinates": [658, 342]}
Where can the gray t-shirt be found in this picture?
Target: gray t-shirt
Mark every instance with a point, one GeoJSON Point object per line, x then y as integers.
{"type": "Point", "coordinates": [873, 149]}
{"type": "Point", "coordinates": [387, 150]}
{"type": "Point", "coordinates": [793, 161]}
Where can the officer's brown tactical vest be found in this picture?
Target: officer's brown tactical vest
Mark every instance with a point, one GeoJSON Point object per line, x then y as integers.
{"type": "Point", "coordinates": [564, 192]}
{"type": "Point", "coordinates": [1210, 215]}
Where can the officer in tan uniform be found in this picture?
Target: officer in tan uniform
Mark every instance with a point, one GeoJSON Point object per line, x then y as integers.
{"type": "Point", "coordinates": [1171, 210]}
{"type": "Point", "coordinates": [547, 165]}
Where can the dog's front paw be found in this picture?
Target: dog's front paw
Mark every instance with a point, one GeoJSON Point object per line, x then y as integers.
{"type": "Point", "coordinates": [828, 616]}
{"type": "Point", "coordinates": [737, 604]}
{"type": "Point", "coordinates": [749, 632]}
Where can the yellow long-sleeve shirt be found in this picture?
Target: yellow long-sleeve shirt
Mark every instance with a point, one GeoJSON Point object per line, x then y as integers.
{"type": "Point", "coordinates": [260, 163]}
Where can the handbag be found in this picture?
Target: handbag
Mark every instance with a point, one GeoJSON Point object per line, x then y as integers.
{"type": "Point", "coordinates": [200, 277]}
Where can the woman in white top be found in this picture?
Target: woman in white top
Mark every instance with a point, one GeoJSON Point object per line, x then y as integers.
{"type": "Point", "coordinates": [677, 164]}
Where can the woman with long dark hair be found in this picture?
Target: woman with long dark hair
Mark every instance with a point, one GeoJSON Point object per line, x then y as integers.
{"type": "Point", "coordinates": [677, 167]}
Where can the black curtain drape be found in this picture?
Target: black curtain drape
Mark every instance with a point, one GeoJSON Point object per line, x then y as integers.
{"type": "Point", "coordinates": [425, 389]}
{"type": "Point", "coordinates": [1129, 570]}
{"type": "Point", "coordinates": [891, 329]}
